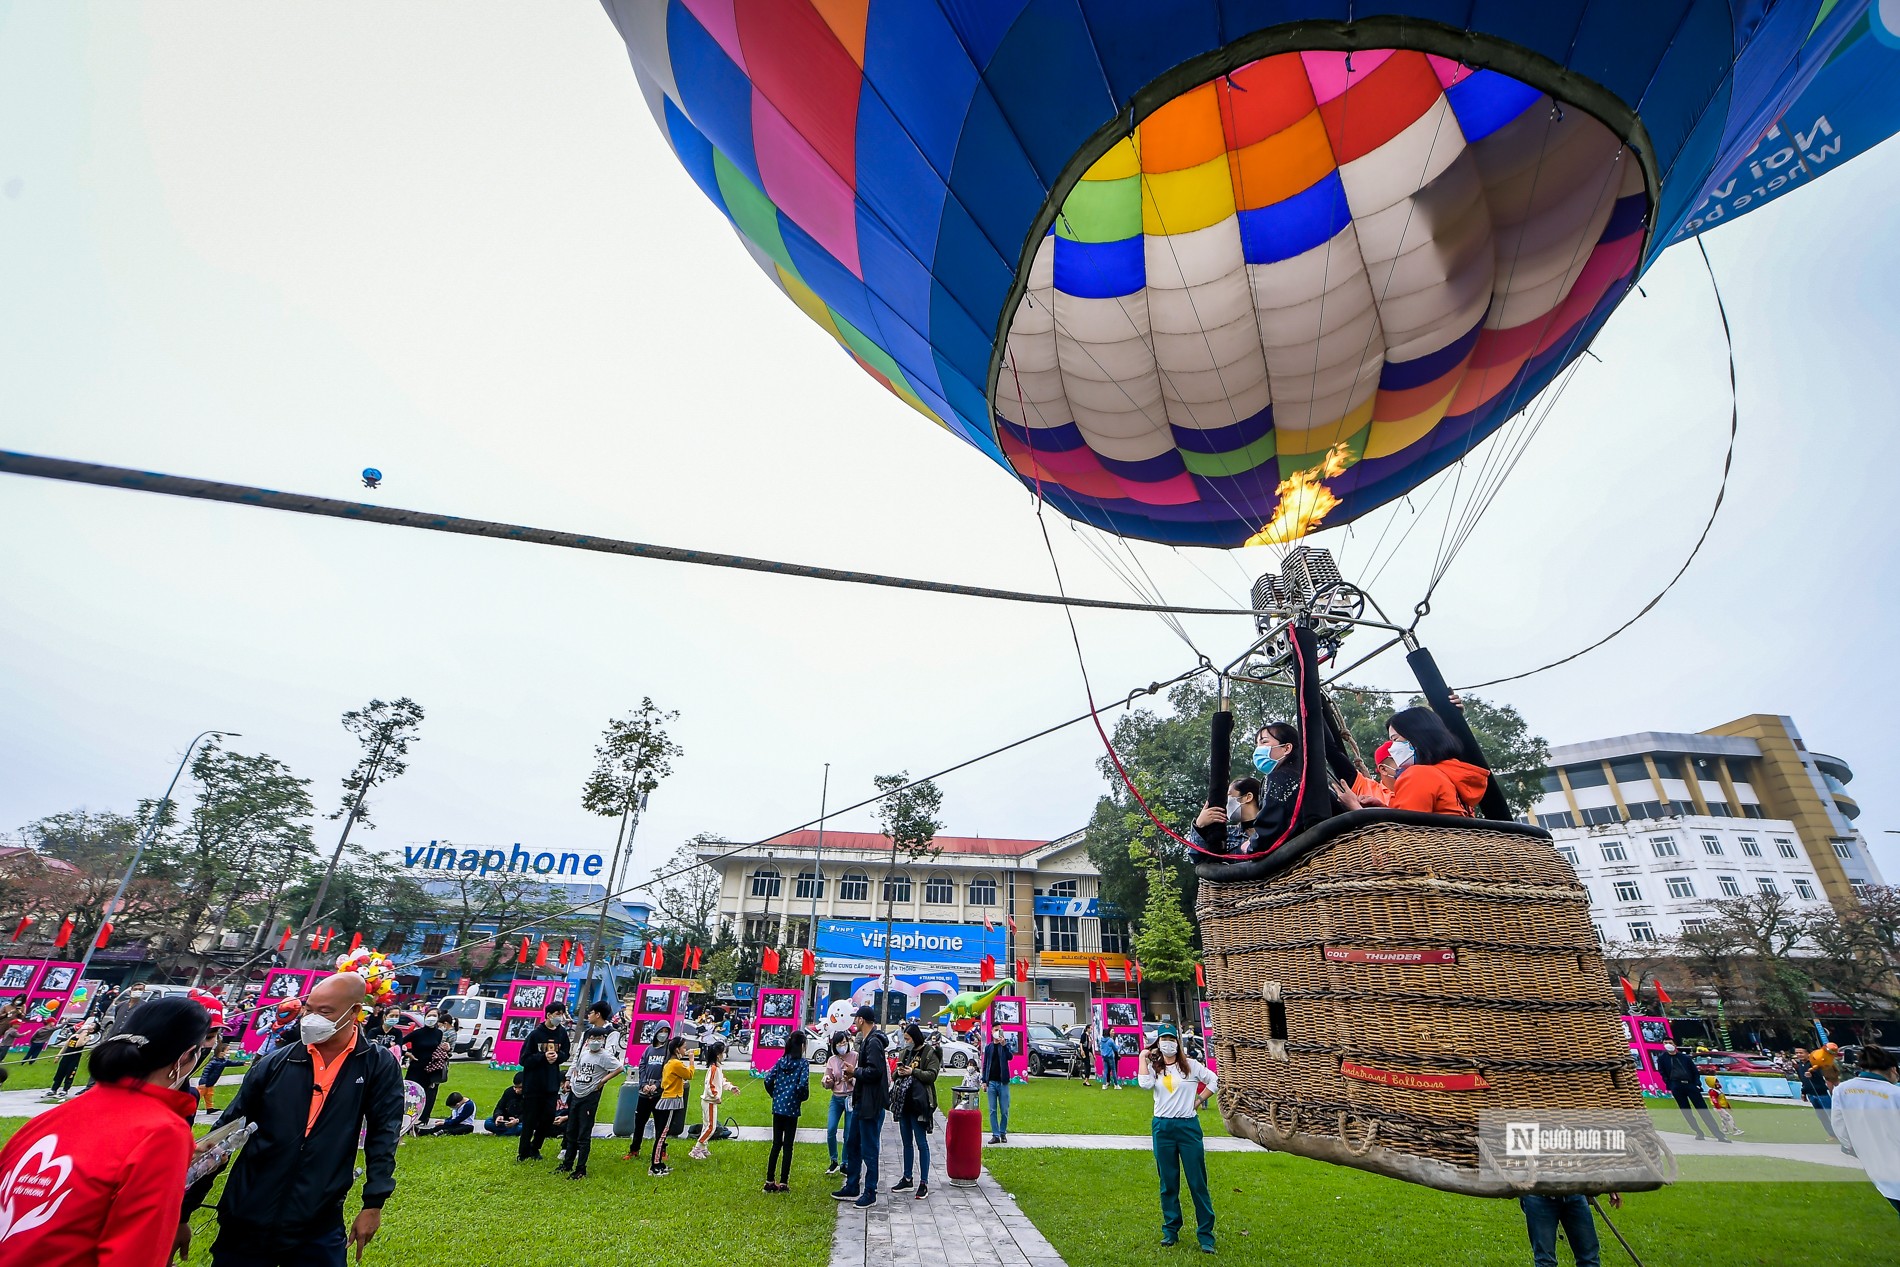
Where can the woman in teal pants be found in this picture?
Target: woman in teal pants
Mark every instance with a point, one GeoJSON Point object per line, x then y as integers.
{"type": "Point", "coordinates": [1181, 1086]}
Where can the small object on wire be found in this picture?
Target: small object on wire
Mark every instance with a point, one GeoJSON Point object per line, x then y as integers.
{"type": "Point", "coordinates": [372, 478]}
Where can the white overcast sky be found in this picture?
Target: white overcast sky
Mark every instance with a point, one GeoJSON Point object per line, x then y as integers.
{"type": "Point", "coordinates": [277, 244]}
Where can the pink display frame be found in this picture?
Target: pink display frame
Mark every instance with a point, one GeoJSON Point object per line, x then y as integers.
{"type": "Point", "coordinates": [28, 989]}
{"type": "Point", "coordinates": [541, 994]}
{"type": "Point", "coordinates": [1207, 1035]}
{"type": "Point", "coordinates": [259, 1026]}
{"type": "Point", "coordinates": [642, 1015]}
{"type": "Point", "coordinates": [764, 1028]}
{"type": "Point", "coordinates": [1125, 1066]}
{"type": "Point", "coordinates": [1019, 1061]}
{"type": "Point", "coordinates": [1645, 1052]}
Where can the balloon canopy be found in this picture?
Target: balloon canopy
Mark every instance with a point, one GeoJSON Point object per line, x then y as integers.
{"type": "Point", "coordinates": [1206, 272]}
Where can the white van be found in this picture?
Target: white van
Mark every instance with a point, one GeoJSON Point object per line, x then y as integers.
{"type": "Point", "coordinates": [477, 1023]}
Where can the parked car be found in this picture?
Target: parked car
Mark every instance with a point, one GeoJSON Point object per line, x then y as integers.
{"type": "Point", "coordinates": [477, 1023]}
{"type": "Point", "coordinates": [1050, 1051]}
{"type": "Point", "coordinates": [1741, 1064]}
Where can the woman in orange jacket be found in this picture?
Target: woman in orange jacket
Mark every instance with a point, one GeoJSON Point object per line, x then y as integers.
{"type": "Point", "coordinates": [1432, 778]}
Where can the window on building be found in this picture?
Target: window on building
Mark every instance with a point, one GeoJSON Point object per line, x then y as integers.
{"type": "Point", "coordinates": [1598, 930]}
{"type": "Point", "coordinates": [1720, 809]}
{"type": "Point", "coordinates": [810, 886]}
{"type": "Point", "coordinates": [983, 891]}
{"type": "Point", "coordinates": [432, 943]}
{"type": "Point", "coordinates": [1843, 848]}
{"type": "Point", "coordinates": [1750, 810]}
{"type": "Point", "coordinates": [766, 882]}
{"type": "Point", "coordinates": [1731, 887]}
{"type": "Point", "coordinates": [1569, 853]}
{"type": "Point", "coordinates": [1065, 889]}
{"type": "Point", "coordinates": [1785, 847]}
{"type": "Point", "coordinates": [938, 891]}
{"type": "Point", "coordinates": [1642, 930]}
{"type": "Point", "coordinates": [1065, 933]}
{"type": "Point", "coordinates": [1860, 889]}
{"type": "Point", "coordinates": [1712, 845]}
{"type": "Point", "coordinates": [1601, 815]}
{"type": "Point", "coordinates": [1663, 846]}
{"type": "Point", "coordinates": [1649, 809]}
{"type": "Point", "coordinates": [1586, 775]}
{"type": "Point", "coordinates": [1751, 848]}
{"type": "Point", "coordinates": [1681, 886]}
{"type": "Point", "coordinates": [761, 930]}
{"type": "Point", "coordinates": [1804, 890]}
{"type": "Point", "coordinates": [1628, 891]}
{"type": "Point", "coordinates": [1115, 940]}
{"type": "Point", "coordinates": [392, 942]}
{"type": "Point", "coordinates": [1550, 822]}
{"type": "Point", "coordinates": [1630, 770]}
{"type": "Point", "coordinates": [855, 887]}
{"type": "Point", "coordinates": [1694, 925]}
{"type": "Point", "coordinates": [798, 932]}
{"type": "Point", "coordinates": [1667, 765]}
{"type": "Point", "coordinates": [1766, 884]}
{"type": "Point", "coordinates": [1613, 851]}
{"type": "Point", "coordinates": [1549, 782]}
{"type": "Point", "coordinates": [896, 887]}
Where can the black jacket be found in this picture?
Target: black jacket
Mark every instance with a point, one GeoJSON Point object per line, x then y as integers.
{"type": "Point", "coordinates": [872, 1094]}
{"type": "Point", "coordinates": [539, 1077]}
{"type": "Point", "coordinates": [286, 1186]}
{"type": "Point", "coordinates": [422, 1042]}
{"type": "Point", "coordinates": [1677, 1068]}
{"type": "Point", "coordinates": [996, 1062]}
{"type": "Point", "coordinates": [509, 1105]}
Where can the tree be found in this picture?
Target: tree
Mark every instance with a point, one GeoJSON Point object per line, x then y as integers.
{"type": "Point", "coordinates": [384, 731]}
{"type": "Point", "coordinates": [908, 816]}
{"type": "Point", "coordinates": [687, 903]}
{"type": "Point", "coordinates": [633, 755]}
{"type": "Point", "coordinates": [93, 848]}
{"type": "Point", "coordinates": [1858, 950]}
{"type": "Point", "coordinates": [1745, 952]}
{"type": "Point", "coordinates": [1519, 760]}
{"type": "Point", "coordinates": [468, 900]}
{"type": "Point", "coordinates": [1164, 939]}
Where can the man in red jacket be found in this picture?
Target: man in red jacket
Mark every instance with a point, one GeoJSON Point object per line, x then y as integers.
{"type": "Point", "coordinates": [99, 1178]}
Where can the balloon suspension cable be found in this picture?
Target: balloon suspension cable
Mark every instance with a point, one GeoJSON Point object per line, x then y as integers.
{"type": "Point", "coordinates": [13, 463]}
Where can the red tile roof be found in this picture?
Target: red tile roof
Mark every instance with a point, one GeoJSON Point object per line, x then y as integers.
{"type": "Point", "coordinates": [9, 852]}
{"type": "Point", "coordinates": [805, 841]}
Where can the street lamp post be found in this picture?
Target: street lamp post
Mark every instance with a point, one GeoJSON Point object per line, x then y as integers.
{"type": "Point", "coordinates": [138, 851]}
{"type": "Point", "coordinates": [817, 883]}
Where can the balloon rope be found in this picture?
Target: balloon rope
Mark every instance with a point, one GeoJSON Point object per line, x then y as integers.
{"type": "Point", "coordinates": [304, 504]}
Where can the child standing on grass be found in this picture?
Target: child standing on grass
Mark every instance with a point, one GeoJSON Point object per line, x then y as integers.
{"type": "Point", "coordinates": [675, 1077]}
{"type": "Point", "coordinates": [1718, 1100]}
{"type": "Point", "coordinates": [70, 1054]}
{"type": "Point", "coordinates": [213, 1070]}
{"type": "Point", "coordinates": [790, 1085]}
{"type": "Point", "coordinates": [710, 1099]}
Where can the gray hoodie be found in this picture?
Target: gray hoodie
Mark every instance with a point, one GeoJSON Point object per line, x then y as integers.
{"type": "Point", "coordinates": [591, 1068]}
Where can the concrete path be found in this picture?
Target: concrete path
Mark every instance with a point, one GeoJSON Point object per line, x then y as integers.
{"type": "Point", "coordinates": [952, 1227]}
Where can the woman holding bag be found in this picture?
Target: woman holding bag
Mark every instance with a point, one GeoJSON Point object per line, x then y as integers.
{"type": "Point", "coordinates": [914, 1101]}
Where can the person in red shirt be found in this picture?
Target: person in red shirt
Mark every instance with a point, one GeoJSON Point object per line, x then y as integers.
{"type": "Point", "coordinates": [100, 1179]}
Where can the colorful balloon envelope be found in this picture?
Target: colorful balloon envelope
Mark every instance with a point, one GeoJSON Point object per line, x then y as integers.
{"type": "Point", "coordinates": [1218, 273]}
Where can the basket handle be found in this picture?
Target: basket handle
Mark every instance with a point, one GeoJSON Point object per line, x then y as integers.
{"type": "Point", "coordinates": [1274, 994]}
{"type": "Point", "coordinates": [1372, 1134]}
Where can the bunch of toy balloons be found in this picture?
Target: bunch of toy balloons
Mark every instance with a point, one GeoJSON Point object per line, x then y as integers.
{"type": "Point", "coordinates": [378, 973]}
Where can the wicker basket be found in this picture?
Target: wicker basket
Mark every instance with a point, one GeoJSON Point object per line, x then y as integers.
{"type": "Point", "coordinates": [1386, 978]}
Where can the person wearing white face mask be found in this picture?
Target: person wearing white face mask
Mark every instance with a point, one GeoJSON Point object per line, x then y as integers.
{"type": "Point", "coordinates": [1259, 811]}
{"type": "Point", "coordinates": [100, 1179]}
{"type": "Point", "coordinates": [595, 1065]}
{"type": "Point", "coordinates": [1181, 1086]}
{"type": "Point", "coordinates": [283, 1202]}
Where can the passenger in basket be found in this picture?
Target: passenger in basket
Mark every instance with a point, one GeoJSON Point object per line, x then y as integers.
{"type": "Point", "coordinates": [1432, 779]}
{"type": "Point", "coordinates": [1258, 811]}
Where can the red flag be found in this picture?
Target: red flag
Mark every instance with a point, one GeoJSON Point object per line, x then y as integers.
{"type": "Point", "coordinates": [1098, 971]}
{"type": "Point", "coordinates": [988, 927]}
{"type": "Point", "coordinates": [986, 968]}
{"type": "Point", "coordinates": [768, 961]}
{"type": "Point", "coordinates": [1629, 991]}
{"type": "Point", "coordinates": [580, 954]}
{"type": "Point", "coordinates": [1662, 995]}
{"type": "Point", "coordinates": [1127, 974]}
{"type": "Point", "coordinates": [20, 930]}
{"type": "Point", "coordinates": [281, 941]}
{"type": "Point", "coordinates": [690, 961]}
{"type": "Point", "coordinates": [808, 965]}
{"type": "Point", "coordinates": [1010, 921]}
{"type": "Point", "coordinates": [65, 933]}
{"type": "Point", "coordinates": [659, 957]}
{"type": "Point", "coordinates": [521, 956]}
{"type": "Point", "coordinates": [567, 948]}
{"type": "Point", "coordinates": [1137, 972]}
{"type": "Point", "coordinates": [105, 931]}
{"type": "Point", "coordinates": [356, 943]}
{"type": "Point", "coordinates": [541, 954]}
{"type": "Point", "coordinates": [1200, 977]}
{"type": "Point", "coordinates": [1022, 970]}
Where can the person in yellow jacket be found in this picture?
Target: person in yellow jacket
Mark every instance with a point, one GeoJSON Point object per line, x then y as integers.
{"type": "Point", "coordinates": [675, 1078]}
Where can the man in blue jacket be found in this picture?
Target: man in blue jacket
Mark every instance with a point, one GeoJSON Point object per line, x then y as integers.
{"type": "Point", "coordinates": [996, 1080]}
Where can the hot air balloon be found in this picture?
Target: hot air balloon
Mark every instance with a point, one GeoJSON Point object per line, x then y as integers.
{"type": "Point", "coordinates": [1210, 273]}
{"type": "Point", "coordinates": [1221, 272]}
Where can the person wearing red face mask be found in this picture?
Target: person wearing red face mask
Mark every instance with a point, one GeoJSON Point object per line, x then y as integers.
{"type": "Point", "coordinates": [100, 1178]}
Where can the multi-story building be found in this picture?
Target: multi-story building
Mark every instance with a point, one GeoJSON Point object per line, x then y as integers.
{"type": "Point", "coordinates": [1657, 824]}
{"type": "Point", "coordinates": [1014, 900]}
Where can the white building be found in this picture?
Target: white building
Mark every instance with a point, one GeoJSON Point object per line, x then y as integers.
{"type": "Point", "coordinates": [1658, 824]}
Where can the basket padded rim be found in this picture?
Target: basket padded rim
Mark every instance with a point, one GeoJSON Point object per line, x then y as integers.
{"type": "Point", "coordinates": [1341, 824]}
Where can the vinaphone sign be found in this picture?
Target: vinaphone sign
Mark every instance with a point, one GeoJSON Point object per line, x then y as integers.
{"type": "Point", "coordinates": [442, 856]}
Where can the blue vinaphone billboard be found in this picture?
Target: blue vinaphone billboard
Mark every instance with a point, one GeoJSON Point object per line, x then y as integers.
{"type": "Point", "coordinates": [863, 939]}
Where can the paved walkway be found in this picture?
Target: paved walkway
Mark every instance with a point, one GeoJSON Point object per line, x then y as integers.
{"type": "Point", "coordinates": [965, 1227]}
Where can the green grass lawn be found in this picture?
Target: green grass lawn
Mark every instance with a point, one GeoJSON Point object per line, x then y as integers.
{"type": "Point", "coordinates": [1791, 1123]}
{"type": "Point", "coordinates": [1271, 1209]}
